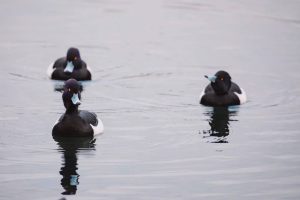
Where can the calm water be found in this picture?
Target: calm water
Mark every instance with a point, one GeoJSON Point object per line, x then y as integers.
{"type": "Point", "coordinates": [148, 60]}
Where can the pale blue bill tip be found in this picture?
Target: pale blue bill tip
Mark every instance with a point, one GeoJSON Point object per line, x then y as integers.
{"type": "Point", "coordinates": [211, 78]}
{"type": "Point", "coordinates": [75, 99]}
{"type": "Point", "coordinates": [70, 67]}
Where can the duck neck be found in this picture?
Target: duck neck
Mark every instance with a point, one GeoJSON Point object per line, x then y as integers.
{"type": "Point", "coordinates": [72, 110]}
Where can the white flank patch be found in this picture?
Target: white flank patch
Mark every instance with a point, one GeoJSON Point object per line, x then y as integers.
{"type": "Point", "coordinates": [242, 97]}
{"type": "Point", "coordinates": [201, 95]}
{"type": "Point", "coordinates": [50, 70]}
{"type": "Point", "coordinates": [89, 69]}
{"type": "Point", "coordinates": [99, 129]}
{"type": "Point", "coordinates": [56, 122]}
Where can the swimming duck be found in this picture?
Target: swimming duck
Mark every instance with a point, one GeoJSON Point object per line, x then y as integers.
{"type": "Point", "coordinates": [74, 122]}
{"type": "Point", "coordinates": [70, 66]}
{"type": "Point", "coordinates": [222, 91]}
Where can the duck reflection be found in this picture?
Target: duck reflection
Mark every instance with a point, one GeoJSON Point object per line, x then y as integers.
{"type": "Point", "coordinates": [69, 147]}
{"type": "Point", "coordinates": [219, 122]}
{"type": "Point", "coordinates": [59, 86]}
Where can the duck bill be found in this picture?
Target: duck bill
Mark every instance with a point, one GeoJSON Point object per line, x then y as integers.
{"type": "Point", "coordinates": [69, 68]}
{"type": "Point", "coordinates": [75, 99]}
{"type": "Point", "coordinates": [211, 78]}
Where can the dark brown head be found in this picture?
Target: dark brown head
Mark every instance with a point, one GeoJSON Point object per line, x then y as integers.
{"type": "Point", "coordinates": [73, 54]}
{"type": "Point", "coordinates": [220, 82]}
{"type": "Point", "coordinates": [71, 95]}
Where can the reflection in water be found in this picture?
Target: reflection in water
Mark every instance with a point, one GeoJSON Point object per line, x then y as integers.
{"type": "Point", "coordinates": [59, 86]}
{"type": "Point", "coordinates": [220, 118]}
{"type": "Point", "coordinates": [70, 147]}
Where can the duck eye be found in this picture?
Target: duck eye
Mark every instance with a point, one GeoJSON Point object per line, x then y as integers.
{"type": "Point", "coordinates": [69, 89]}
{"type": "Point", "coordinates": [222, 78]}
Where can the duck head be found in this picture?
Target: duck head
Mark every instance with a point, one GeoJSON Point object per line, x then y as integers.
{"type": "Point", "coordinates": [73, 60]}
{"type": "Point", "coordinates": [71, 95]}
{"type": "Point", "coordinates": [220, 82]}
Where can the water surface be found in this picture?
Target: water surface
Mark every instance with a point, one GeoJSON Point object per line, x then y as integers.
{"type": "Point", "coordinates": [149, 59]}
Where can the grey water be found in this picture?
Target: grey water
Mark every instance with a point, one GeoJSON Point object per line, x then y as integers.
{"type": "Point", "coordinates": [149, 59]}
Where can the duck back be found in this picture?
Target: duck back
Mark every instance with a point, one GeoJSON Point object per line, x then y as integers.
{"type": "Point", "coordinates": [80, 74]}
{"type": "Point", "coordinates": [210, 98]}
{"type": "Point", "coordinates": [72, 125]}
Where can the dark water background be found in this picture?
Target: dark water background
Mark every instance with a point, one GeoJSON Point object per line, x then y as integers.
{"type": "Point", "coordinates": [148, 60]}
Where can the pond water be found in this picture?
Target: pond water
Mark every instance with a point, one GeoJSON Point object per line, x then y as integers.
{"type": "Point", "coordinates": [149, 59]}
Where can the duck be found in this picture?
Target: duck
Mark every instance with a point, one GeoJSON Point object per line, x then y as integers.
{"type": "Point", "coordinates": [75, 122]}
{"type": "Point", "coordinates": [71, 66]}
{"type": "Point", "coordinates": [222, 92]}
